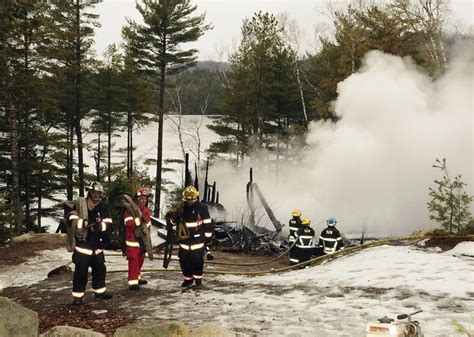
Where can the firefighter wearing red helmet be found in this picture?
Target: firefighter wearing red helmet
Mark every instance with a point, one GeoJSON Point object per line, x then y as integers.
{"type": "Point", "coordinates": [135, 250]}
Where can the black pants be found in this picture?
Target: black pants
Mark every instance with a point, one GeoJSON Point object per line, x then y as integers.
{"type": "Point", "coordinates": [82, 263]}
{"type": "Point", "coordinates": [191, 262]}
{"type": "Point", "coordinates": [293, 254]}
{"type": "Point", "coordinates": [303, 254]}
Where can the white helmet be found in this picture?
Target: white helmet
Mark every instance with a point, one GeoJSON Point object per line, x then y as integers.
{"type": "Point", "coordinates": [331, 221]}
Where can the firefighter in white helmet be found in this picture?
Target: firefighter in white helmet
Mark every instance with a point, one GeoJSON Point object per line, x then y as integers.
{"type": "Point", "coordinates": [330, 239]}
{"type": "Point", "coordinates": [91, 222]}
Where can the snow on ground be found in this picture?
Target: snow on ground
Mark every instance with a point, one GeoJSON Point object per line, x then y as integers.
{"type": "Point", "coordinates": [337, 298]}
{"type": "Point", "coordinates": [34, 269]}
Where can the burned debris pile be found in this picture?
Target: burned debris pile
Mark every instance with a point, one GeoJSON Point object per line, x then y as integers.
{"type": "Point", "coordinates": [246, 236]}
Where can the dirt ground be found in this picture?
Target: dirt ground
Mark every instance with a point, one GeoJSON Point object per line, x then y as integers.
{"type": "Point", "coordinates": [29, 245]}
{"type": "Point", "coordinates": [446, 243]}
{"type": "Point", "coordinates": [51, 297]}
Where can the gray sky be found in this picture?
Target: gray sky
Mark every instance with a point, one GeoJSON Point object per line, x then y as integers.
{"type": "Point", "coordinates": [226, 16]}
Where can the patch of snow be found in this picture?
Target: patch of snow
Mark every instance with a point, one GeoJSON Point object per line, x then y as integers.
{"type": "Point", "coordinates": [462, 248]}
{"type": "Point", "coordinates": [34, 269]}
{"type": "Point", "coordinates": [335, 299]}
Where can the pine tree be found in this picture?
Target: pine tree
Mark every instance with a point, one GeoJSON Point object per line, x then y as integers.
{"type": "Point", "coordinates": [449, 204]}
{"type": "Point", "coordinates": [157, 44]}
{"type": "Point", "coordinates": [262, 98]}
{"type": "Point", "coordinates": [10, 12]}
{"type": "Point", "coordinates": [138, 102]}
{"type": "Point", "coordinates": [106, 96]}
{"type": "Point", "coordinates": [71, 47]}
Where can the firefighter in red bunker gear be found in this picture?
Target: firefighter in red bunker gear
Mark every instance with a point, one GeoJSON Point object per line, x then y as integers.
{"type": "Point", "coordinates": [135, 250]}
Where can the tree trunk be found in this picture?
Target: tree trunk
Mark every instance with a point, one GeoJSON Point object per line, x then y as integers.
{"type": "Point", "coordinates": [109, 128]}
{"type": "Point", "coordinates": [300, 87]}
{"type": "Point", "coordinates": [14, 138]}
{"type": "Point", "coordinates": [27, 172]}
{"type": "Point", "coordinates": [159, 154]}
{"type": "Point", "coordinates": [70, 161]}
{"type": "Point", "coordinates": [80, 158]}
{"type": "Point", "coordinates": [40, 185]}
{"type": "Point", "coordinates": [99, 156]}
{"type": "Point", "coordinates": [129, 144]}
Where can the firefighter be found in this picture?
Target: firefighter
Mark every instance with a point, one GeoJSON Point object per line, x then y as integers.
{"type": "Point", "coordinates": [304, 242]}
{"type": "Point", "coordinates": [330, 239]}
{"type": "Point", "coordinates": [92, 235]}
{"type": "Point", "coordinates": [294, 225]}
{"type": "Point", "coordinates": [194, 235]}
{"type": "Point", "coordinates": [135, 249]}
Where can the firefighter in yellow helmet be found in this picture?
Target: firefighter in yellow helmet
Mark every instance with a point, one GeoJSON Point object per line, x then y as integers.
{"type": "Point", "coordinates": [193, 236]}
{"type": "Point", "coordinates": [304, 242]}
{"type": "Point", "coordinates": [294, 224]}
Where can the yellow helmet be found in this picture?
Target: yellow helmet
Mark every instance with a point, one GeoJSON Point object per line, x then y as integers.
{"type": "Point", "coordinates": [296, 213]}
{"type": "Point", "coordinates": [190, 193]}
{"type": "Point", "coordinates": [305, 222]}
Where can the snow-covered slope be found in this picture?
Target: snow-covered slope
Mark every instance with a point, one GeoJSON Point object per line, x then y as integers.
{"type": "Point", "coordinates": [335, 299]}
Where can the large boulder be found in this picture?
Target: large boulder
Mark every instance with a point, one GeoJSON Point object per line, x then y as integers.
{"type": "Point", "coordinates": [16, 320]}
{"type": "Point", "coordinates": [211, 330]}
{"type": "Point", "coordinates": [70, 331]}
{"type": "Point", "coordinates": [151, 328]}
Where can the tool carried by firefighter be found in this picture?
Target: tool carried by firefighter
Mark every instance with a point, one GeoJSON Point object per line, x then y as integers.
{"type": "Point", "coordinates": [141, 230]}
{"type": "Point", "coordinates": [386, 326]}
{"type": "Point", "coordinates": [77, 229]}
{"type": "Point", "coordinates": [173, 218]}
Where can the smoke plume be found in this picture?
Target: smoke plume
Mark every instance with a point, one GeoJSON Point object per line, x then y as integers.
{"type": "Point", "coordinates": [373, 167]}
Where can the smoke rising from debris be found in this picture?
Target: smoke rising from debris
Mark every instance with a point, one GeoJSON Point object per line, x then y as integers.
{"type": "Point", "coordinates": [373, 167]}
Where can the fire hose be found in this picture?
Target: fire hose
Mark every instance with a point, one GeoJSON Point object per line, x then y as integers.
{"type": "Point", "coordinates": [316, 260]}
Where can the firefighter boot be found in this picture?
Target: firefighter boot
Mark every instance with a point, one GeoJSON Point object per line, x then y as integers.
{"type": "Point", "coordinates": [198, 282]}
{"type": "Point", "coordinates": [142, 282]}
{"type": "Point", "coordinates": [77, 301]}
{"type": "Point", "coordinates": [187, 283]}
{"type": "Point", "coordinates": [103, 296]}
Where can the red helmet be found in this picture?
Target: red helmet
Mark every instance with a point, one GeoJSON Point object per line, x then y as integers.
{"type": "Point", "coordinates": [143, 191]}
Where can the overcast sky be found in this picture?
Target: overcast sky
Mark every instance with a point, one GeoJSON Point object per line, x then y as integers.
{"type": "Point", "coordinates": [226, 16]}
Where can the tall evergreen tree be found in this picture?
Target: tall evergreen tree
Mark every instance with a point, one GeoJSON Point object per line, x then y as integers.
{"type": "Point", "coordinates": [262, 98]}
{"type": "Point", "coordinates": [138, 103]}
{"type": "Point", "coordinates": [106, 100]}
{"type": "Point", "coordinates": [71, 45]}
{"type": "Point", "coordinates": [10, 12]}
{"type": "Point", "coordinates": [167, 25]}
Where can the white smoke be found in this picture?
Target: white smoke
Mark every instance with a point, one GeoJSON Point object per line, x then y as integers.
{"type": "Point", "coordinates": [373, 167]}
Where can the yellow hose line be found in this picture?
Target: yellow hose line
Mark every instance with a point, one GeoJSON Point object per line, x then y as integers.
{"type": "Point", "coordinates": [229, 263]}
{"type": "Point", "coordinates": [339, 253]}
{"type": "Point", "coordinates": [254, 263]}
